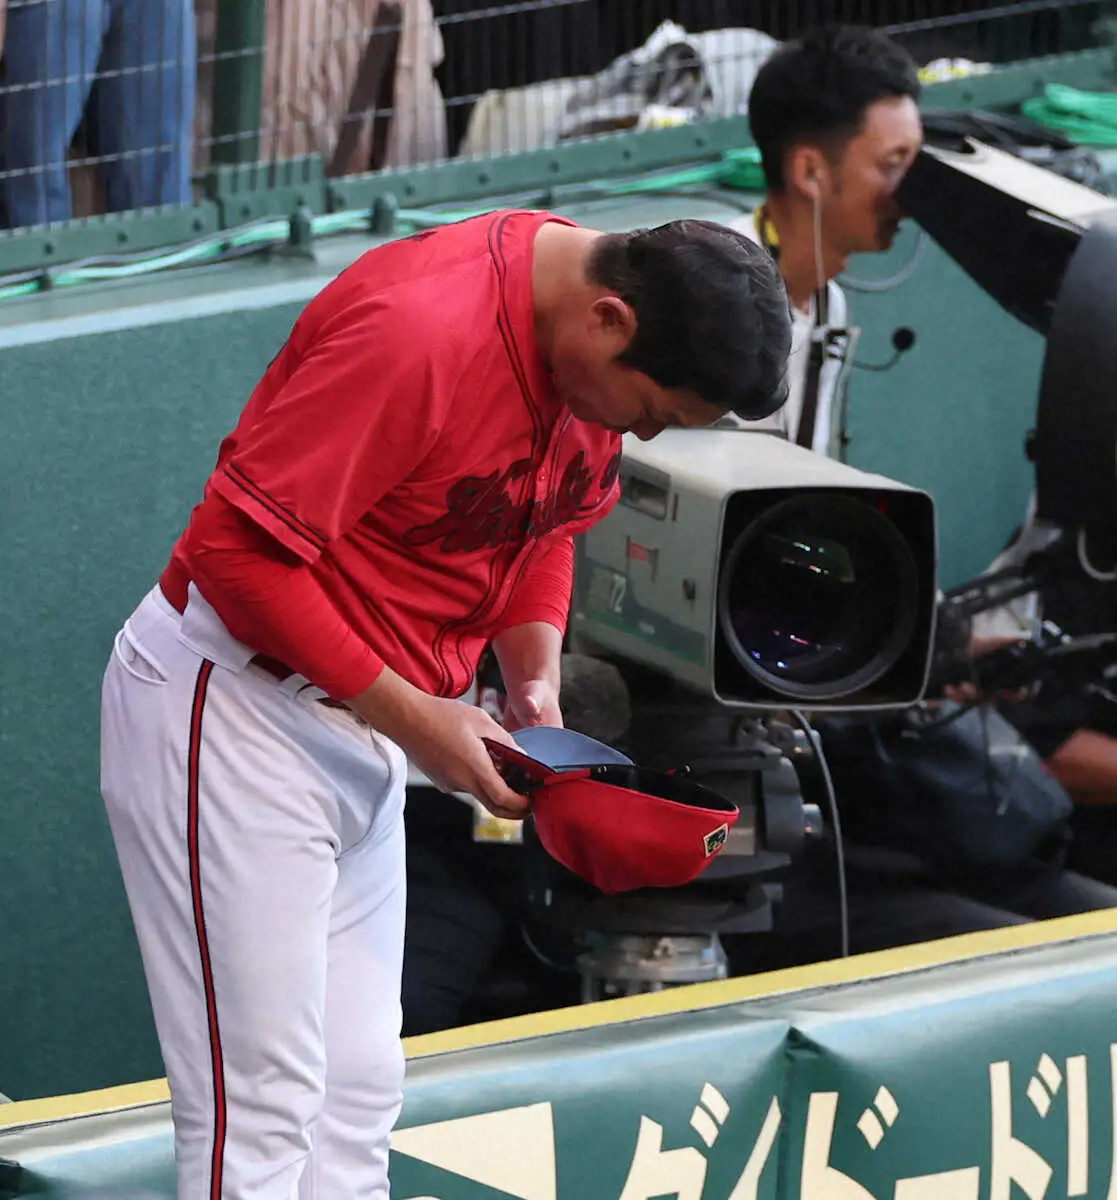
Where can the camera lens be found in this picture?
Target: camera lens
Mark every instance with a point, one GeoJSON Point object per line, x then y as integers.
{"type": "Point", "coordinates": [818, 596]}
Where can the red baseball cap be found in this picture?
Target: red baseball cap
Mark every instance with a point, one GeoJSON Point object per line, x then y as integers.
{"type": "Point", "coordinates": [619, 826]}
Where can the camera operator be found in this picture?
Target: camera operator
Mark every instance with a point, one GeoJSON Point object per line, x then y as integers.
{"type": "Point", "coordinates": [836, 120]}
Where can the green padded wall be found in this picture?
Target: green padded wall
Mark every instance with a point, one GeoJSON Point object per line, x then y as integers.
{"type": "Point", "coordinates": [115, 399]}
{"type": "Point", "coordinates": [951, 416]}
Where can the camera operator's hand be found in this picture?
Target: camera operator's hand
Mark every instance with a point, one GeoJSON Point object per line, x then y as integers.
{"type": "Point", "coordinates": [969, 692]}
{"type": "Point", "coordinates": [981, 646]}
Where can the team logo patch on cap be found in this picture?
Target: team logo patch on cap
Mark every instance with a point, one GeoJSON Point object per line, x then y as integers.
{"type": "Point", "coordinates": [714, 841]}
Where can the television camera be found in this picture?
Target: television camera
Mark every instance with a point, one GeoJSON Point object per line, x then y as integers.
{"type": "Point", "coordinates": [739, 577]}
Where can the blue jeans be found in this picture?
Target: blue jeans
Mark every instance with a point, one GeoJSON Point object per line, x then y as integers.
{"type": "Point", "coordinates": [142, 55]}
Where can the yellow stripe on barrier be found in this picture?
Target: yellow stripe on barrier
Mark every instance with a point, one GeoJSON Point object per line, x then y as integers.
{"type": "Point", "coordinates": [857, 969]}
{"type": "Point", "coordinates": [84, 1104]}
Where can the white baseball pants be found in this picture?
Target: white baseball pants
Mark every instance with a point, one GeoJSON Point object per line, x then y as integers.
{"type": "Point", "coordinates": [260, 836]}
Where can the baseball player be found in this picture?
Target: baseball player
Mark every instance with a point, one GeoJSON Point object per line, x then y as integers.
{"type": "Point", "coordinates": [400, 492]}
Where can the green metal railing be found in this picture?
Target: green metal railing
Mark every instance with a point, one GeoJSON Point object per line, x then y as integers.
{"type": "Point", "coordinates": [238, 81]}
{"type": "Point", "coordinates": [298, 202]}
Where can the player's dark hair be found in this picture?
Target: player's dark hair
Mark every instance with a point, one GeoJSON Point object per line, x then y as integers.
{"type": "Point", "coordinates": [712, 314]}
{"type": "Point", "coordinates": [816, 90]}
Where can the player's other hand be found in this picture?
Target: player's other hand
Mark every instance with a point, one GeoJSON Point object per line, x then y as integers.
{"type": "Point", "coordinates": [443, 738]}
{"type": "Point", "coordinates": [532, 702]}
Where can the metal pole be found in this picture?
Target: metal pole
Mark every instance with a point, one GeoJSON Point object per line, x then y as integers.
{"type": "Point", "coordinates": [238, 80]}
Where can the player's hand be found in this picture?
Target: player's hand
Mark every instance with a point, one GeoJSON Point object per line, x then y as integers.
{"type": "Point", "coordinates": [530, 657]}
{"type": "Point", "coordinates": [532, 702]}
{"type": "Point", "coordinates": [451, 753]}
{"type": "Point", "coordinates": [443, 738]}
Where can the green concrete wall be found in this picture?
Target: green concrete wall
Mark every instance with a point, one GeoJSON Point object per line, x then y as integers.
{"type": "Point", "coordinates": [951, 416]}
{"type": "Point", "coordinates": [107, 438]}
{"type": "Point", "coordinates": [114, 400]}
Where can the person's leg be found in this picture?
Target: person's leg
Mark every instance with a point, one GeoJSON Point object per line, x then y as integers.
{"type": "Point", "coordinates": [229, 805]}
{"type": "Point", "coordinates": [51, 49]}
{"type": "Point", "coordinates": [364, 1056]}
{"type": "Point", "coordinates": [145, 101]}
{"type": "Point", "coordinates": [890, 904]}
{"type": "Point", "coordinates": [1043, 891]}
{"type": "Point", "coordinates": [885, 915]}
{"type": "Point", "coordinates": [1093, 849]}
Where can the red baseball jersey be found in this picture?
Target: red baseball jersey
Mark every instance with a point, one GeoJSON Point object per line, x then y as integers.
{"type": "Point", "coordinates": [407, 446]}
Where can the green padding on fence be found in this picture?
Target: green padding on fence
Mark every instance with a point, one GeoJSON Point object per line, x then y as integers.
{"type": "Point", "coordinates": [116, 1156]}
{"type": "Point", "coordinates": [45, 247]}
{"type": "Point", "coordinates": [564, 1105]}
{"type": "Point", "coordinates": [975, 1080]}
{"type": "Point", "coordinates": [988, 1077]}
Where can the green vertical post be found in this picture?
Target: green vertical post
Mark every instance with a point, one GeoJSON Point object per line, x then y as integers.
{"type": "Point", "coordinates": [238, 80]}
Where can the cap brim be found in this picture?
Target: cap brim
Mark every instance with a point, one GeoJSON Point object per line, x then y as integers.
{"type": "Point", "coordinates": [563, 749]}
{"type": "Point", "coordinates": [519, 770]}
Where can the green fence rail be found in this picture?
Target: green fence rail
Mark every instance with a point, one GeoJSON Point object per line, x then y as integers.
{"type": "Point", "coordinates": [237, 190]}
{"type": "Point", "coordinates": [238, 80]}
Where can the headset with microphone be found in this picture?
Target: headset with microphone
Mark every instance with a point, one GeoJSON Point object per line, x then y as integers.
{"type": "Point", "coordinates": [903, 339]}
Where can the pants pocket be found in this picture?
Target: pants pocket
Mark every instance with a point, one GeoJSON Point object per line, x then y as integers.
{"type": "Point", "coordinates": [138, 662]}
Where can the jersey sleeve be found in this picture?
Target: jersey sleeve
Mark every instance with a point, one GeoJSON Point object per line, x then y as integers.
{"type": "Point", "coordinates": [348, 411]}
{"type": "Point", "coordinates": [543, 591]}
{"type": "Point", "coordinates": [271, 601]}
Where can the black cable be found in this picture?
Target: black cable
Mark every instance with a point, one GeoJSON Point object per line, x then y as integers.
{"type": "Point", "coordinates": [839, 846]}
{"type": "Point", "coordinates": [1021, 8]}
{"type": "Point", "coordinates": [550, 963]}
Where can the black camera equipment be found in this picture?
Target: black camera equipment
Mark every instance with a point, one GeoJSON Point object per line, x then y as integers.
{"type": "Point", "coordinates": [1045, 248]}
{"type": "Point", "coordinates": [951, 660]}
{"type": "Point", "coordinates": [654, 938]}
{"type": "Point", "coordinates": [1051, 655]}
{"type": "Point", "coordinates": [1018, 135]}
